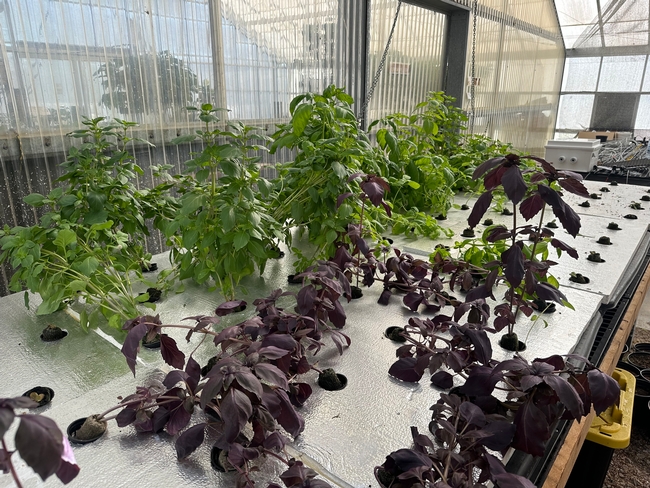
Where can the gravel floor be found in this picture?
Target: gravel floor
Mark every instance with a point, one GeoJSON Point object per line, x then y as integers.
{"type": "Point", "coordinates": [630, 467]}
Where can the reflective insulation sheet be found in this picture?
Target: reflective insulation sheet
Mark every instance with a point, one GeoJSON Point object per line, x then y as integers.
{"type": "Point", "coordinates": [347, 432]}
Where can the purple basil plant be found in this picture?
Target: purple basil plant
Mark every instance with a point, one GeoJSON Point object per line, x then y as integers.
{"type": "Point", "coordinates": [251, 388]}
{"type": "Point", "coordinates": [39, 442]}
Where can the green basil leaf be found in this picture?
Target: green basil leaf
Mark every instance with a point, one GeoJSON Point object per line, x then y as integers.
{"type": "Point", "coordinates": [64, 238]}
{"type": "Point", "coordinates": [34, 199]}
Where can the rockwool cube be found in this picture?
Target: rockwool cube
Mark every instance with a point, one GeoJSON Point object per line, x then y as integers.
{"type": "Point", "coordinates": [573, 154]}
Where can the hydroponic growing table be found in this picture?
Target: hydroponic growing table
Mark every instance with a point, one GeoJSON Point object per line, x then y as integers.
{"type": "Point", "coordinates": [347, 432]}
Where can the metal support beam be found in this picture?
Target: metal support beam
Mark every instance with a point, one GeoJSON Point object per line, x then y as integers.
{"type": "Point", "coordinates": [216, 40]}
{"type": "Point", "coordinates": [456, 55]}
{"type": "Point", "coordinates": [351, 57]}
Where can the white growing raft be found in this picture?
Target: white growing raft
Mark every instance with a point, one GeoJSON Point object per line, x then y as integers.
{"type": "Point", "coordinates": [347, 432]}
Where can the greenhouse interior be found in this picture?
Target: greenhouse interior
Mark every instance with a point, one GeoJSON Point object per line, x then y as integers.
{"type": "Point", "coordinates": [326, 243]}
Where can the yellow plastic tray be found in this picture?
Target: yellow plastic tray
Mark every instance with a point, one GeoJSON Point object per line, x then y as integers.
{"type": "Point", "coordinates": [613, 427]}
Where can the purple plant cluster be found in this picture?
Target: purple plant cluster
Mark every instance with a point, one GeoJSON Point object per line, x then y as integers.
{"type": "Point", "coordinates": [252, 388]}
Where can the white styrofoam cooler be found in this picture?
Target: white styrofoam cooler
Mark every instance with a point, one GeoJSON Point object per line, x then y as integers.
{"type": "Point", "coordinates": [573, 154]}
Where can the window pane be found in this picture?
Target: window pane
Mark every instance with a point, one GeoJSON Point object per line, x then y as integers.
{"type": "Point", "coordinates": [581, 74]}
{"type": "Point", "coordinates": [574, 112]}
{"type": "Point", "coordinates": [621, 74]}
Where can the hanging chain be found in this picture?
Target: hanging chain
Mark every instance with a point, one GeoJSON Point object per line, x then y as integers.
{"type": "Point", "coordinates": [382, 62]}
{"type": "Point", "coordinates": [472, 86]}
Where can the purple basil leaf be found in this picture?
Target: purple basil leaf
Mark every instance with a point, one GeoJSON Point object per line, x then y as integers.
{"type": "Point", "coordinates": [480, 207]}
{"type": "Point", "coordinates": [413, 300]}
{"type": "Point", "coordinates": [574, 186]}
{"type": "Point", "coordinates": [174, 377]}
{"type": "Point", "coordinates": [132, 345]}
{"type": "Point", "coordinates": [472, 414]}
{"type": "Point", "coordinates": [193, 370]}
{"type": "Point", "coordinates": [457, 360]}
{"type": "Point", "coordinates": [487, 166]}
{"type": "Point", "coordinates": [342, 197]}
{"type": "Point", "coordinates": [305, 299]}
{"type": "Point", "coordinates": [272, 352]}
{"type": "Point", "coordinates": [555, 360]}
{"type": "Point", "coordinates": [249, 382]}
{"type": "Point", "coordinates": [272, 374]}
{"type": "Point", "coordinates": [443, 380]}
{"type": "Point", "coordinates": [493, 178]}
{"type": "Point", "coordinates": [537, 177]}
{"type": "Point", "coordinates": [567, 394]}
{"type": "Point", "coordinates": [405, 369]}
{"type": "Point", "coordinates": [496, 466]}
{"type": "Point", "coordinates": [499, 233]}
{"type": "Point", "coordinates": [274, 441]}
{"type": "Point", "coordinates": [510, 480]}
{"type": "Point", "coordinates": [40, 443]}
{"type": "Point", "coordinates": [190, 440]}
{"type": "Point", "coordinates": [482, 345]}
{"type": "Point", "coordinates": [532, 429]}
{"type": "Point", "coordinates": [340, 340]}
{"type": "Point", "coordinates": [374, 191]}
{"type": "Point", "coordinates": [363, 246]}
{"type": "Point", "coordinates": [566, 215]}
{"type": "Point", "coordinates": [282, 341]}
{"type": "Point", "coordinates": [337, 316]}
{"type": "Point", "coordinates": [546, 291]}
{"type": "Point", "coordinates": [297, 474]}
{"type": "Point", "coordinates": [480, 382]}
{"type": "Point", "coordinates": [421, 440]}
{"type": "Point", "coordinates": [481, 291]}
{"type": "Point", "coordinates": [6, 418]}
{"type": "Point", "coordinates": [605, 390]}
{"type": "Point", "coordinates": [236, 410]}
{"type": "Point", "coordinates": [159, 419]}
{"type": "Point", "coordinates": [531, 206]}
{"type": "Point", "coordinates": [170, 353]}
{"type": "Point", "coordinates": [68, 469]}
{"type": "Point", "coordinates": [230, 307]}
{"type": "Point", "coordinates": [515, 266]}
{"type": "Point", "coordinates": [528, 381]}
{"type": "Point", "coordinates": [502, 433]}
{"type": "Point", "coordinates": [384, 298]}
{"type": "Point", "coordinates": [178, 419]}
{"type": "Point", "coordinates": [342, 256]}
{"type": "Point", "coordinates": [406, 459]}
{"type": "Point", "coordinates": [514, 184]}
{"type": "Point", "coordinates": [299, 393]}
{"type": "Point", "coordinates": [125, 417]}
{"type": "Point", "coordinates": [289, 418]}
{"type": "Point", "coordinates": [211, 389]}
{"type": "Point", "coordinates": [18, 402]}
{"type": "Point", "coordinates": [564, 247]}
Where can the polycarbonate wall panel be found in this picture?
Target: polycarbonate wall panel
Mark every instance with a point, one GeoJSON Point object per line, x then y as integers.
{"type": "Point", "coordinates": [277, 49]}
{"type": "Point", "coordinates": [414, 64]}
{"type": "Point", "coordinates": [134, 59]}
{"type": "Point", "coordinates": [518, 70]}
